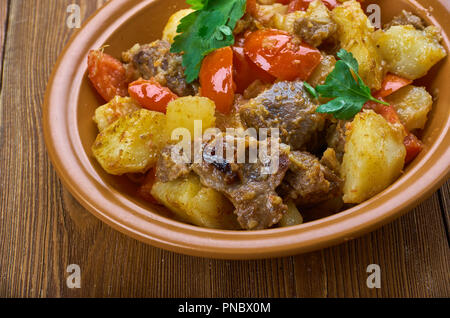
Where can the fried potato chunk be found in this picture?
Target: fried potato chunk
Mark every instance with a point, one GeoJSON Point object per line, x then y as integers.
{"type": "Point", "coordinates": [291, 217]}
{"type": "Point", "coordinates": [374, 156]}
{"type": "Point", "coordinates": [132, 143]}
{"type": "Point", "coordinates": [184, 111]}
{"type": "Point", "coordinates": [409, 52]}
{"type": "Point", "coordinates": [170, 30]}
{"type": "Point", "coordinates": [355, 35]}
{"type": "Point", "coordinates": [119, 106]}
{"type": "Point", "coordinates": [412, 104]}
{"type": "Point", "coordinates": [196, 204]}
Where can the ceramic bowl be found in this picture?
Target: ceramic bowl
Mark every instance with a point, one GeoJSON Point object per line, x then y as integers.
{"type": "Point", "coordinates": [69, 133]}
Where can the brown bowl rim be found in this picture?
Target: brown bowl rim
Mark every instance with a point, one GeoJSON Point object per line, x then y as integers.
{"type": "Point", "coordinates": [74, 169]}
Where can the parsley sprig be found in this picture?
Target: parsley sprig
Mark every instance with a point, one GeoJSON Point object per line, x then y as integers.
{"type": "Point", "coordinates": [349, 94]}
{"type": "Point", "coordinates": [208, 28]}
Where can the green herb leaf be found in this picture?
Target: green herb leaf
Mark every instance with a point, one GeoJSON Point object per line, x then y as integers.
{"type": "Point", "coordinates": [206, 30]}
{"type": "Point", "coordinates": [197, 4]}
{"type": "Point", "coordinates": [349, 94]}
{"type": "Point", "coordinates": [311, 90]}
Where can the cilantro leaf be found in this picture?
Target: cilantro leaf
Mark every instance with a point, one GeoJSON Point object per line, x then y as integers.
{"type": "Point", "coordinates": [197, 4]}
{"type": "Point", "coordinates": [310, 90]}
{"type": "Point", "coordinates": [205, 30]}
{"type": "Point", "coordinates": [349, 94]}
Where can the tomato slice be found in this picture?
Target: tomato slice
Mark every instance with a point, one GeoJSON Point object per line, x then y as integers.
{"type": "Point", "coordinates": [107, 75]}
{"type": "Point", "coordinates": [151, 95]}
{"type": "Point", "coordinates": [391, 84]}
{"type": "Point", "coordinates": [216, 78]}
{"type": "Point", "coordinates": [144, 191]}
{"type": "Point", "coordinates": [302, 5]}
{"type": "Point", "coordinates": [252, 8]}
{"type": "Point", "coordinates": [244, 70]}
{"type": "Point", "coordinates": [284, 1]}
{"type": "Point", "coordinates": [413, 147]}
{"type": "Point", "coordinates": [275, 52]}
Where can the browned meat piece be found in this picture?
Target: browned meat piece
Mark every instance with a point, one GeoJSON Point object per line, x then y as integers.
{"type": "Point", "coordinates": [406, 18]}
{"type": "Point", "coordinates": [309, 182]}
{"type": "Point", "coordinates": [330, 160]}
{"type": "Point", "coordinates": [322, 71]}
{"type": "Point", "coordinates": [155, 60]}
{"type": "Point", "coordinates": [251, 191]}
{"type": "Point", "coordinates": [246, 23]}
{"type": "Point", "coordinates": [168, 168]}
{"type": "Point", "coordinates": [314, 31]}
{"type": "Point", "coordinates": [336, 138]}
{"type": "Point", "coordinates": [287, 106]}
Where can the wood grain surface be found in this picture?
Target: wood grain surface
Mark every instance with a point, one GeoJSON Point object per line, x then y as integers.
{"type": "Point", "coordinates": [43, 229]}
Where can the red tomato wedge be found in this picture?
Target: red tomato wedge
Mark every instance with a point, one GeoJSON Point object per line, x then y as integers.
{"type": "Point", "coordinates": [391, 84]}
{"type": "Point", "coordinates": [284, 1]}
{"type": "Point", "coordinates": [413, 147]}
{"type": "Point", "coordinates": [107, 75]}
{"type": "Point", "coordinates": [302, 5]}
{"type": "Point", "coordinates": [245, 71]}
{"type": "Point", "coordinates": [252, 8]}
{"type": "Point", "coordinates": [145, 189]}
{"type": "Point", "coordinates": [151, 95]}
{"type": "Point", "coordinates": [216, 78]}
{"type": "Point", "coordinates": [388, 112]}
{"type": "Point", "coordinates": [275, 52]}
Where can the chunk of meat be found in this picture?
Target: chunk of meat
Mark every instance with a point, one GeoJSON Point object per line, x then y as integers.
{"type": "Point", "coordinates": [288, 107]}
{"type": "Point", "coordinates": [169, 167]}
{"type": "Point", "coordinates": [406, 18]}
{"type": "Point", "coordinates": [317, 26]}
{"type": "Point", "coordinates": [314, 32]}
{"type": "Point", "coordinates": [336, 138]}
{"type": "Point", "coordinates": [155, 60]}
{"type": "Point", "coordinates": [308, 181]}
{"type": "Point", "coordinates": [246, 23]}
{"type": "Point", "coordinates": [250, 186]}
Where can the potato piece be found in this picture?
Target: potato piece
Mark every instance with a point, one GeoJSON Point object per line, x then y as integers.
{"type": "Point", "coordinates": [291, 217]}
{"type": "Point", "coordinates": [374, 156]}
{"type": "Point", "coordinates": [355, 35]}
{"type": "Point", "coordinates": [412, 105]}
{"type": "Point", "coordinates": [409, 52]}
{"type": "Point", "coordinates": [170, 30]}
{"type": "Point", "coordinates": [182, 112]}
{"type": "Point", "coordinates": [286, 22]}
{"type": "Point", "coordinates": [322, 71]}
{"type": "Point", "coordinates": [119, 106]}
{"type": "Point", "coordinates": [266, 13]}
{"type": "Point", "coordinates": [132, 143]}
{"type": "Point", "coordinates": [194, 203]}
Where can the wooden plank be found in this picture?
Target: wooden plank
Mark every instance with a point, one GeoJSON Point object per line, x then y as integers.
{"type": "Point", "coordinates": [43, 229]}
{"type": "Point", "coordinates": [444, 196]}
{"type": "Point", "coordinates": [3, 28]}
{"type": "Point", "coordinates": [32, 227]}
{"type": "Point", "coordinates": [412, 253]}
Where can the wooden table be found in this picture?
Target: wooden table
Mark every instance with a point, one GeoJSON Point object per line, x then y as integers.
{"type": "Point", "coordinates": [43, 229]}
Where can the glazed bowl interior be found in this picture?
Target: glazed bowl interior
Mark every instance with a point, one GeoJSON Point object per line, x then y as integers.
{"type": "Point", "coordinates": [114, 199]}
